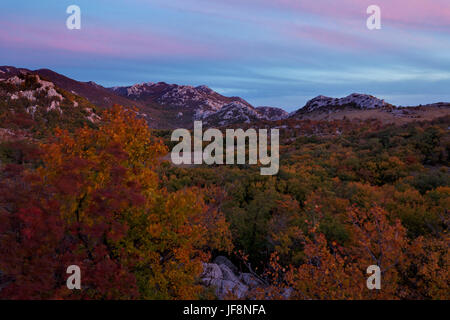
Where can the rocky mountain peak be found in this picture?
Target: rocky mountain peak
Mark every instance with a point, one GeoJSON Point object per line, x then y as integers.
{"type": "Point", "coordinates": [272, 113]}
{"type": "Point", "coordinates": [355, 100]}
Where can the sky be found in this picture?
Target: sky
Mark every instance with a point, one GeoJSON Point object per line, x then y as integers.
{"type": "Point", "coordinates": [270, 52]}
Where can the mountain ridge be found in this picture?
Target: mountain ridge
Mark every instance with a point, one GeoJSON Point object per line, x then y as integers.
{"type": "Point", "coordinates": [198, 103]}
{"type": "Point", "coordinates": [168, 106]}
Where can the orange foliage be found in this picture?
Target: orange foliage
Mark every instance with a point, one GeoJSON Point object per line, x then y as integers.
{"type": "Point", "coordinates": [97, 202]}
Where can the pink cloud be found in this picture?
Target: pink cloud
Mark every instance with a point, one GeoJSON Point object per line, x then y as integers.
{"type": "Point", "coordinates": [329, 37]}
{"type": "Point", "coordinates": [417, 13]}
{"type": "Point", "coordinates": [337, 23]}
{"type": "Point", "coordinates": [102, 41]}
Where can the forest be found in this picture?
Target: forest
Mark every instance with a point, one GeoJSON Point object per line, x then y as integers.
{"type": "Point", "coordinates": [104, 196]}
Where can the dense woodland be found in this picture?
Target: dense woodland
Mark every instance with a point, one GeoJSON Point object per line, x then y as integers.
{"type": "Point", "coordinates": [100, 195]}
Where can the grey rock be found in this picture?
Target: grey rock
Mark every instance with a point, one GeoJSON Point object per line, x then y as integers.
{"type": "Point", "coordinates": [228, 274]}
{"type": "Point", "coordinates": [211, 273]}
{"type": "Point", "coordinates": [223, 260]}
{"type": "Point", "coordinates": [223, 279]}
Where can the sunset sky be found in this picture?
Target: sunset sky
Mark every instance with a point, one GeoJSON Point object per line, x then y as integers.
{"type": "Point", "coordinates": [269, 52]}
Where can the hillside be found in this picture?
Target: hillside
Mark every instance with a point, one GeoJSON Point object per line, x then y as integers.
{"type": "Point", "coordinates": [366, 107]}
{"type": "Point", "coordinates": [32, 107]}
{"type": "Point", "coordinates": [170, 106]}
{"type": "Point", "coordinates": [99, 193]}
{"type": "Point", "coordinates": [183, 104]}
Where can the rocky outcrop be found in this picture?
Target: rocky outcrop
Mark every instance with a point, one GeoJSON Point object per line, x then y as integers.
{"type": "Point", "coordinates": [225, 278]}
{"type": "Point", "coordinates": [356, 100]}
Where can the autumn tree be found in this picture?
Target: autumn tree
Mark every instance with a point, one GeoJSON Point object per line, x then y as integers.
{"type": "Point", "coordinates": [331, 271]}
{"type": "Point", "coordinates": [97, 202]}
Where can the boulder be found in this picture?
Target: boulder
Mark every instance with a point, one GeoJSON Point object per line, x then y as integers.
{"type": "Point", "coordinates": [211, 273]}
{"type": "Point", "coordinates": [228, 274]}
{"type": "Point", "coordinates": [223, 260]}
{"type": "Point", "coordinates": [223, 278]}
